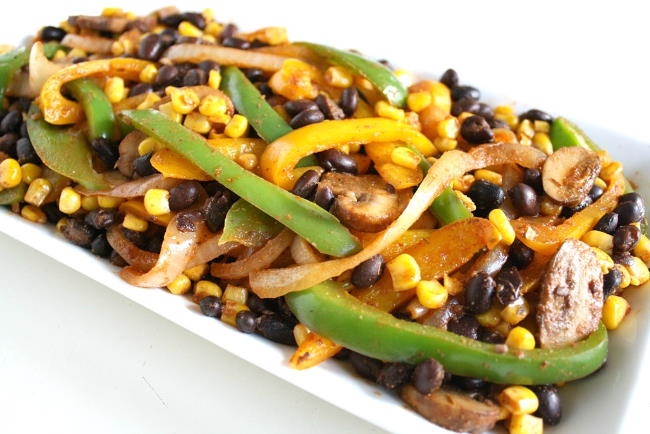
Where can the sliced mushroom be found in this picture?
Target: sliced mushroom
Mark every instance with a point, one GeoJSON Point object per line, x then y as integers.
{"type": "Point", "coordinates": [99, 23]}
{"type": "Point", "coordinates": [365, 203]}
{"type": "Point", "coordinates": [571, 296]}
{"type": "Point", "coordinates": [569, 173]}
{"type": "Point", "coordinates": [453, 410]}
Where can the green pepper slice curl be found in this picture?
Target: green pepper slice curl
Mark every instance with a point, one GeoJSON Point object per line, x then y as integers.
{"type": "Point", "coordinates": [97, 108]}
{"type": "Point", "coordinates": [376, 73]}
{"type": "Point", "coordinates": [247, 225]}
{"type": "Point", "coordinates": [13, 195]}
{"type": "Point", "coordinates": [330, 311]}
{"type": "Point", "coordinates": [303, 217]}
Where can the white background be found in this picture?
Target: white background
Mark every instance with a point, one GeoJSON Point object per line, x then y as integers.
{"type": "Point", "coordinates": [76, 357]}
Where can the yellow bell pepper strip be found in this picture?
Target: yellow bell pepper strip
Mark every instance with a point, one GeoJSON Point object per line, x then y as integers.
{"type": "Point", "coordinates": [379, 75]}
{"type": "Point", "coordinates": [305, 218]}
{"type": "Point", "coordinates": [398, 176]}
{"type": "Point", "coordinates": [13, 195]}
{"type": "Point", "coordinates": [312, 351]}
{"type": "Point", "coordinates": [246, 225]}
{"type": "Point", "coordinates": [233, 148]}
{"type": "Point", "coordinates": [59, 110]}
{"type": "Point", "coordinates": [97, 108]}
{"type": "Point", "coordinates": [173, 165]}
{"type": "Point", "coordinates": [281, 156]}
{"type": "Point", "coordinates": [330, 311]}
{"type": "Point", "coordinates": [65, 151]}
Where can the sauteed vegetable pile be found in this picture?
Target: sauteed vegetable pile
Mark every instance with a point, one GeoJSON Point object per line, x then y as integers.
{"type": "Point", "coordinates": [467, 257]}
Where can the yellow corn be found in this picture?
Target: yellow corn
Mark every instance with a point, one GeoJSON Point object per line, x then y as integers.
{"type": "Point", "coordinates": [135, 223]}
{"type": "Point", "coordinates": [168, 111]}
{"type": "Point", "coordinates": [77, 52]}
{"type": "Point", "coordinates": [238, 294]}
{"type": "Point", "coordinates": [503, 328]}
{"type": "Point", "coordinates": [385, 110]}
{"type": "Point", "coordinates": [543, 142]}
{"type": "Point", "coordinates": [431, 294]}
{"type": "Point", "coordinates": [248, 161]}
{"type": "Point", "coordinates": [516, 311]}
{"type": "Point", "coordinates": [186, 28]}
{"type": "Point", "coordinates": [501, 222]}
{"type": "Point", "coordinates": [418, 101]}
{"type": "Point", "coordinates": [30, 172]}
{"type": "Point", "coordinates": [405, 76]}
{"type": "Point", "coordinates": [440, 96]}
{"type": "Point", "coordinates": [601, 240]}
{"type": "Point", "coordinates": [504, 110]}
{"type": "Point", "coordinates": [519, 400]}
{"type": "Point", "coordinates": [237, 127]}
{"type": "Point", "coordinates": [463, 183]}
{"type": "Point", "coordinates": [639, 273]}
{"type": "Point", "coordinates": [114, 89]}
{"type": "Point", "coordinates": [37, 191]}
{"type": "Point", "coordinates": [511, 119]}
{"type": "Point", "coordinates": [149, 101]}
{"type": "Point", "coordinates": [338, 77]}
{"type": "Point", "coordinates": [295, 80]}
{"type": "Point", "coordinates": [521, 338]}
{"type": "Point", "coordinates": [197, 123]}
{"type": "Point", "coordinates": [404, 271]}
{"type": "Point", "coordinates": [444, 144]}
{"type": "Point", "coordinates": [230, 311]}
{"type": "Point", "coordinates": [183, 100]}
{"type": "Point", "coordinates": [112, 12]}
{"type": "Point", "coordinates": [208, 14]}
{"type": "Point", "coordinates": [600, 183]}
{"type": "Point", "coordinates": [180, 285]}
{"type": "Point", "coordinates": [614, 310]}
{"type": "Point", "coordinates": [33, 214]}
{"type": "Point", "coordinates": [625, 276]}
{"type": "Point", "coordinates": [10, 173]}
{"type": "Point", "coordinates": [60, 54]}
{"type": "Point", "coordinates": [213, 29]}
{"type": "Point", "coordinates": [611, 170]}
{"type": "Point", "coordinates": [525, 424]}
{"type": "Point", "coordinates": [197, 272]}
{"type": "Point", "coordinates": [300, 333]}
{"type": "Point", "coordinates": [448, 128]}
{"type": "Point", "coordinates": [214, 79]}
{"type": "Point", "coordinates": [148, 74]}
{"type": "Point", "coordinates": [466, 200]}
{"type": "Point", "coordinates": [156, 201]}
{"type": "Point", "coordinates": [491, 318]}
{"type": "Point", "coordinates": [213, 105]}
{"type": "Point", "coordinates": [405, 157]}
{"type": "Point", "coordinates": [642, 249]}
{"type": "Point", "coordinates": [541, 126]}
{"type": "Point", "coordinates": [69, 201]}
{"type": "Point", "coordinates": [452, 285]}
{"type": "Point", "coordinates": [109, 202]}
{"type": "Point", "coordinates": [606, 262]}
{"type": "Point", "coordinates": [59, 225]}
{"type": "Point", "coordinates": [489, 175]}
{"type": "Point", "coordinates": [525, 129]}
{"type": "Point", "coordinates": [206, 288]}
{"type": "Point", "coordinates": [149, 145]}
{"type": "Point", "coordinates": [117, 49]}
{"type": "Point", "coordinates": [89, 203]}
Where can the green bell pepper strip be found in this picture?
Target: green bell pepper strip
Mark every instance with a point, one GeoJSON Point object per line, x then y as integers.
{"type": "Point", "coordinates": [247, 225]}
{"type": "Point", "coordinates": [249, 102]}
{"type": "Point", "coordinates": [97, 108]}
{"type": "Point", "coordinates": [64, 150]}
{"type": "Point", "coordinates": [305, 218]}
{"type": "Point", "coordinates": [330, 311]}
{"type": "Point", "coordinates": [13, 195]}
{"type": "Point", "coordinates": [376, 73]}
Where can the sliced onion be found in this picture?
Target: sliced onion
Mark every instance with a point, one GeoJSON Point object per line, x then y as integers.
{"type": "Point", "coordinates": [451, 165]}
{"type": "Point", "coordinates": [141, 260]}
{"type": "Point", "coordinates": [135, 188]}
{"type": "Point", "coordinates": [224, 56]}
{"type": "Point", "coordinates": [211, 249]}
{"type": "Point", "coordinates": [257, 261]}
{"type": "Point", "coordinates": [20, 87]}
{"type": "Point", "coordinates": [90, 44]}
{"type": "Point", "coordinates": [40, 68]}
{"type": "Point", "coordinates": [129, 152]}
{"type": "Point", "coordinates": [303, 253]}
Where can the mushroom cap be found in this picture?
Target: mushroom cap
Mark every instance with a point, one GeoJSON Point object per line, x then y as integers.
{"type": "Point", "coordinates": [569, 173]}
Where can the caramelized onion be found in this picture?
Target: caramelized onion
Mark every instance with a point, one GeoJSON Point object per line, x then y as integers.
{"type": "Point", "coordinates": [90, 44]}
{"type": "Point", "coordinates": [224, 55]}
{"type": "Point", "coordinates": [141, 260]}
{"type": "Point", "coordinates": [129, 152]}
{"type": "Point", "coordinates": [135, 188]}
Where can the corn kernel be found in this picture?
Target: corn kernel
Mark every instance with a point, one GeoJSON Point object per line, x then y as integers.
{"type": "Point", "coordinates": [463, 183]}
{"type": "Point", "coordinates": [600, 183]}
{"type": "Point", "coordinates": [213, 29]}
{"type": "Point", "coordinates": [440, 96]}
{"type": "Point", "coordinates": [33, 214]}
{"type": "Point", "coordinates": [601, 240]}
{"type": "Point", "coordinates": [386, 110]}
{"type": "Point", "coordinates": [109, 202]}
{"type": "Point", "coordinates": [405, 76]}
{"type": "Point", "coordinates": [405, 157]}
{"type": "Point", "coordinates": [418, 101]}
{"type": "Point", "coordinates": [149, 145]}
{"type": "Point", "coordinates": [610, 171]}
{"type": "Point", "coordinates": [237, 127]}
{"type": "Point", "coordinates": [524, 140]}
{"type": "Point", "coordinates": [197, 123]}
{"type": "Point", "coordinates": [489, 175]}
{"type": "Point", "coordinates": [205, 288]}
{"type": "Point", "coordinates": [452, 285]}
{"type": "Point", "coordinates": [69, 201]}
{"type": "Point", "coordinates": [501, 222]}
{"type": "Point", "coordinates": [184, 100]}
{"type": "Point", "coordinates": [156, 201]}
{"type": "Point", "coordinates": [549, 207]}
{"type": "Point", "coordinates": [491, 318]}
{"type": "Point", "coordinates": [197, 272]}
{"type": "Point", "coordinates": [135, 223]}
{"type": "Point", "coordinates": [148, 73]}
{"type": "Point", "coordinates": [208, 14]}
{"type": "Point", "coordinates": [614, 310]}
{"type": "Point", "coordinates": [11, 173]}
{"type": "Point", "coordinates": [214, 79]}
{"type": "Point", "coordinates": [89, 203]}
{"type": "Point", "coordinates": [168, 111]}
{"type": "Point", "coordinates": [525, 424]}
{"type": "Point", "coordinates": [404, 271]}
{"type": "Point", "coordinates": [639, 273]}
{"type": "Point", "coordinates": [59, 225]}
{"type": "Point", "coordinates": [112, 12]}
{"type": "Point", "coordinates": [295, 80]}
{"type": "Point", "coordinates": [504, 110]}
{"type": "Point", "coordinates": [625, 276]}
{"type": "Point", "coordinates": [511, 119]}
{"type": "Point", "coordinates": [444, 144]}
{"type": "Point", "coordinates": [642, 249]}
{"type": "Point", "coordinates": [30, 172]}
{"type": "Point", "coordinates": [431, 294]}
{"type": "Point", "coordinates": [503, 328]}
{"type": "Point", "coordinates": [60, 54]}
{"type": "Point", "coordinates": [238, 294]}
{"type": "Point", "coordinates": [525, 128]}
{"type": "Point", "coordinates": [521, 338]}
{"type": "Point", "coordinates": [543, 142]}
{"type": "Point", "coordinates": [518, 399]}
{"type": "Point", "coordinates": [180, 285]}
{"type": "Point", "coordinates": [37, 191]}
{"type": "Point", "coordinates": [541, 126]}
{"type": "Point", "coordinates": [186, 28]}
{"type": "Point", "coordinates": [504, 135]}
{"type": "Point", "coordinates": [77, 52]}
{"type": "Point", "coordinates": [300, 333]}
{"type": "Point", "coordinates": [516, 311]}
{"type": "Point", "coordinates": [212, 106]}
{"type": "Point", "coordinates": [606, 262]}
{"type": "Point", "coordinates": [230, 311]}
{"type": "Point", "coordinates": [149, 101]}
{"type": "Point", "coordinates": [448, 127]}
{"type": "Point", "coordinates": [114, 89]}
{"type": "Point", "coordinates": [338, 77]}
{"type": "Point", "coordinates": [248, 160]}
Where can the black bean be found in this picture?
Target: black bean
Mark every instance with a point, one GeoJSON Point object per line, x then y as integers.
{"type": "Point", "coordinates": [186, 221]}
{"type": "Point", "coordinates": [52, 212]}
{"type": "Point", "coordinates": [117, 260]}
{"type": "Point", "coordinates": [254, 74]}
{"type": "Point", "coordinates": [486, 195]}
{"type": "Point", "coordinates": [629, 212]}
{"type": "Point", "coordinates": [137, 238]}
{"type": "Point", "coordinates": [520, 255]}
{"type": "Point", "coordinates": [195, 19]}
{"type": "Point", "coordinates": [257, 304]}
{"type": "Point", "coordinates": [183, 195]}
{"type": "Point", "coordinates": [77, 232]}
{"type": "Point", "coordinates": [349, 100]}
{"type": "Point", "coordinates": [215, 189]}
{"type": "Point", "coordinates": [479, 291]}
{"type": "Point", "coordinates": [464, 105]}
{"type": "Point", "coordinates": [428, 376]}
{"type": "Point", "coordinates": [142, 165]}
{"type": "Point", "coordinates": [468, 383]}
{"type": "Point", "coordinates": [25, 151]}
{"type": "Point", "coordinates": [154, 244]}
{"type": "Point", "coordinates": [306, 117]}
{"type": "Point", "coordinates": [273, 327]}
{"type": "Point", "coordinates": [195, 77]}
{"type": "Point", "coordinates": [306, 185]}
{"type": "Point", "coordinates": [485, 111]}
{"type": "Point", "coordinates": [550, 406]}
{"type": "Point", "coordinates": [228, 31]}
{"type": "Point", "coordinates": [394, 375]}
{"type": "Point", "coordinates": [533, 177]}
{"type": "Point", "coordinates": [3, 113]}
{"type": "Point", "coordinates": [105, 151]}
{"type": "Point", "coordinates": [596, 192]}
{"type": "Point", "coordinates": [612, 281]}
{"type": "Point", "coordinates": [11, 122]}
{"type": "Point", "coordinates": [384, 62]}
{"type": "Point", "coordinates": [171, 20]}
{"type": "Point", "coordinates": [22, 104]}
{"type": "Point", "coordinates": [623, 258]}
{"type": "Point", "coordinates": [258, 44]}
{"type": "Point", "coordinates": [8, 143]}
{"type": "Point", "coordinates": [497, 123]}
{"type": "Point", "coordinates": [476, 130]}
{"type": "Point", "coordinates": [490, 336]}
{"type": "Point", "coordinates": [169, 37]}
{"type": "Point", "coordinates": [368, 272]}
{"type": "Point", "coordinates": [141, 88]}
{"type": "Point", "coordinates": [208, 65]}
{"type": "Point", "coordinates": [330, 109]}
{"type": "Point", "coordinates": [265, 90]}
{"type": "Point", "coordinates": [101, 218]}
{"type": "Point", "coordinates": [365, 366]}
{"type": "Point", "coordinates": [466, 325]}
{"type": "Point", "coordinates": [166, 75]}
{"type": "Point", "coordinates": [100, 246]}
{"type": "Point", "coordinates": [524, 199]}
{"type": "Point", "coordinates": [211, 306]}
{"type": "Point", "coordinates": [626, 238]}
{"type": "Point", "coordinates": [215, 211]}
{"type": "Point", "coordinates": [508, 285]}
{"type": "Point", "coordinates": [469, 92]}
{"type": "Point", "coordinates": [568, 212]}
{"type": "Point", "coordinates": [234, 42]}
{"type": "Point", "coordinates": [324, 198]}
{"type": "Point", "coordinates": [336, 161]}
{"type": "Point", "coordinates": [449, 78]}
{"type": "Point", "coordinates": [51, 33]}
{"type": "Point", "coordinates": [23, 130]}
{"type": "Point", "coordinates": [151, 47]}
{"type": "Point", "coordinates": [299, 105]}
{"type": "Point", "coordinates": [536, 115]}
{"type": "Point", "coordinates": [246, 321]}
{"type": "Point", "coordinates": [632, 197]}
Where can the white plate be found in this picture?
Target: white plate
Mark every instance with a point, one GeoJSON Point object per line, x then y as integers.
{"type": "Point", "coordinates": [607, 394]}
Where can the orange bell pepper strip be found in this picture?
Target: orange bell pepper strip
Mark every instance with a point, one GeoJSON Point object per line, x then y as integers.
{"type": "Point", "coordinates": [59, 110]}
{"type": "Point", "coordinates": [281, 156]}
{"type": "Point", "coordinates": [312, 351]}
{"type": "Point", "coordinates": [398, 176]}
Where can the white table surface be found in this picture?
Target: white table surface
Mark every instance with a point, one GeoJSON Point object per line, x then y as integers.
{"type": "Point", "coordinates": [76, 357]}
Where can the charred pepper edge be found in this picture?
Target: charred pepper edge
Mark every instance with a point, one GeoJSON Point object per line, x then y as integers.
{"type": "Point", "coordinates": [97, 108]}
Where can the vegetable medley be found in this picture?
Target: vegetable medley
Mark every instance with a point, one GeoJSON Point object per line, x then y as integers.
{"type": "Point", "coordinates": [466, 257]}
